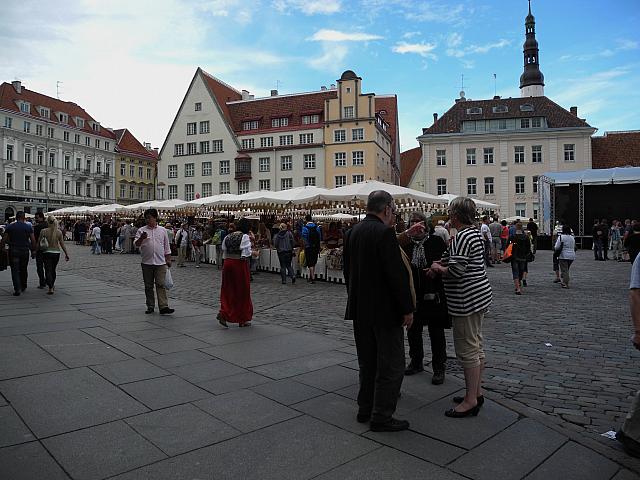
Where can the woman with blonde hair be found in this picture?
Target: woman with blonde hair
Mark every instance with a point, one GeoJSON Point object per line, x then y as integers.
{"type": "Point", "coordinates": [51, 244]}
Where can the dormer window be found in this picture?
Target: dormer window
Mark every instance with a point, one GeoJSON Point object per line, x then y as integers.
{"type": "Point", "coordinates": [500, 109]}
{"type": "Point", "coordinates": [95, 126]}
{"type": "Point", "coordinates": [44, 112]}
{"type": "Point", "coordinates": [279, 122]}
{"type": "Point", "coordinates": [25, 107]}
{"type": "Point", "coordinates": [64, 118]}
{"type": "Point", "coordinates": [79, 122]}
{"type": "Point", "coordinates": [527, 107]}
{"type": "Point", "coordinates": [250, 125]}
{"type": "Point", "coordinates": [474, 111]}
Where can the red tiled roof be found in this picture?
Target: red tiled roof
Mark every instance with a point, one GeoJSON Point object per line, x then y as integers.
{"type": "Point", "coordinates": [616, 149]}
{"type": "Point", "coordinates": [127, 143]}
{"type": "Point", "coordinates": [223, 93]}
{"type": "Point", "coordinates": [409, 161]}
{"type": "Point", "coordinates": [557, 117]}
{"type": "Point", "coordinates": [9, 97]}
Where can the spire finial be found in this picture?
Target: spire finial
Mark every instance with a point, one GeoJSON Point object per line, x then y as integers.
{"type": "Point", "coordinates": [529, 7]}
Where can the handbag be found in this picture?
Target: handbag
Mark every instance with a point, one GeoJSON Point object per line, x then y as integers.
{"type": "Point", "coordinates": [43, 243]}
{"type": "Point", "coordinates": [92, 238]}
{"type": "Point", "coordinates": [508, 253]}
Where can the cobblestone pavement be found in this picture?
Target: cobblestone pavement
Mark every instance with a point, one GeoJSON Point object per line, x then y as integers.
{"type": "Point", "coordinates": [563, 352]}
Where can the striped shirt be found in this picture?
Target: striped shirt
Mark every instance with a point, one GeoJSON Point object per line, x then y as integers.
{"type": "Point", "coordinates": [466, 284]}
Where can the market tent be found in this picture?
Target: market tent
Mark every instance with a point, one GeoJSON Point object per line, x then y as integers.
{"type": "Point", "coordinates": [166, 204]}
{"type": "Point", "coordinates": [596, 176]}
{"type": "Point", "coordinates": [479, 203]}
{"type": "Point", "coordinates": [336, 216]}
{"type": "Point", "coordinates": [214, 200]}
{"type": "Point", "coordinates": [111, 208]}
{"type": "Point", "coordinates": [361, 191]}
{"type": "Point", "coordinates": [297, 196]}
{"type": "Point", "coordinates": [136, 206]}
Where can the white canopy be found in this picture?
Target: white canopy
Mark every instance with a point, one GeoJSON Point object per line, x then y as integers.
{"type": "Point", "coordinates": [336, 216]}
{"type": "Point", "coordinates": [296, 196]}
{"type": "Point", "coordinates": [596, 176]}
{"type": "Point", "coordinates": [136, 206]}
{"type": "Point", "coordinates": [361, 191]}
{"type": "Point", "coordinates": [111, 208]}
{"type": "Point", "coordinates": [213, 200]}
{"type": "Point", "coordinates": [166, 204]}
{"type": "Point", "coordinates": [479, 203]}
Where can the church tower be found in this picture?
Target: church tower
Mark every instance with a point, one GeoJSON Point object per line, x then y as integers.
{"type": "Point", "coordinates": [532, 79]}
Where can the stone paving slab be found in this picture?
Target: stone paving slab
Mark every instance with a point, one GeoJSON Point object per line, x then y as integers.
{"type": "Point", "coordinates": [231, 383]}
{"type": "Point", "coordinates": [12, 430]}
{"type": "Point", "coordinates": [129, 371]}
{"type": "Point", "coordinates": [178, 359]}
{"type": "Point", "coordinates": [28, 462]}
{"type": "Point", "coordinates": [287, 391]}
{"type": "Point", "coordinates": [329, 379]}
{"type": "Point", "coordinates": [333, 409]}
{"type": "Point", "coordinates": [164, 392]}
{"type": "Point", "coordinates": [301, 365]}
{"type": "Point", "coordinates": [19, 356]}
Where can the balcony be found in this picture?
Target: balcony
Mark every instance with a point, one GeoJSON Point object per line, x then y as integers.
{"type": "Point", "coordinates": [243, 167]}
{"type": "Point", "coordinates": [82, 173]}
{"type": "Point", "coordinates": [101, 177]}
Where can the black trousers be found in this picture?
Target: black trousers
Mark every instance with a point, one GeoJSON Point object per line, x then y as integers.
{"type": "Point", "coordinates": [381, 361]}
{"type": "Point", "coordinates": [19, 260]}
{"type": "Point", "coordinates": [40, 268]}
{"type": "Point", "coordinates": [438, 345]}
{"type": "Point", "coordinates": [50, 263]}
{"type": "Point", "coordinates": [107, 244]}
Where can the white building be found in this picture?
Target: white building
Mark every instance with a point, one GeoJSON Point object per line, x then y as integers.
{"type": "Point", "coordinates": [495, 149]}
{"type": "Point", "coordinates": [54, 154]}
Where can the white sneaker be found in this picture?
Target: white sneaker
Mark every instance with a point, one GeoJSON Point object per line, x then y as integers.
{"type": "Point", "coordinates": [197, 266]}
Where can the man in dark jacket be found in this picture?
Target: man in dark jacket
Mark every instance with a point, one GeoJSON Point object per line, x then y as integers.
{"type": "Point", "coordinates": [380, 303]}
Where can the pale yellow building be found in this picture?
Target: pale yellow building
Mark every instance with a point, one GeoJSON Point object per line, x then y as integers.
{"type": "Point", "coordinates": [136, 167]}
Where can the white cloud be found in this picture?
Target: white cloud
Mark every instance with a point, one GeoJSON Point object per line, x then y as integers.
{"type": "Point", "coordinates": [410, 35]}
{"type": "Point", "coordinates": [422, 49]}
{"type": "Point", "coordinates": [622, 45]}
{"type": "Point", "coordinates": [476, 49]}
{"type": "Point", "coordinates": [309, 7]}
{"type": "Point", "coordinates": [325, 35]}
{"type": "Point", "coordinates": [454, 39]}
{"type": "Point", "coordinates": [441, 12]}
{"type": "Point", "coordinates": [332, 58]}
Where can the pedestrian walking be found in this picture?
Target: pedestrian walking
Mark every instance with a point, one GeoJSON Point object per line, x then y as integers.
{"type": "Point", "coordinates": [40, 225]}
{"type": "Point", "coordinates": [496, 242]}
{"type": "Point", "coordinates": [532, 228]}
{"type": "Point", "coordinates": [217, 239]}
{"type": "Point", "coordinates": [19, 236]}
{"type": "Point", "coordinates": [284, 244]}
{"type": "Point", "coordinates": [51, 247]}
{"type": "Point", "coordinates": [182, 242]}
{"type": "Point", "coordinates": [380, 302]}
{"type": "Point", "coordinates": [153, 242]}
{"type": "Point", "coordinates": [95, 239]}
{"type": "Point", "coordinates": [598, 240]}
{"type": "Point", "coordinates": [468, 297]}
{"type": "Point", "coordinates": [312, 236]}
{"type": "Point", "coordinates": [196, 243]}
{"type": "Point", "coordinates": [565, 246]}
{"type": "Point", "coordinates": [235, 291]}
{"type": "Point", "coordinates": [486, 236]}
{"type": "Point", "coordinates": [520, 255]}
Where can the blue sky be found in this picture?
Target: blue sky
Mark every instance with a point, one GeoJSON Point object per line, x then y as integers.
{"type": "Point", "coordinates": [129, 62]}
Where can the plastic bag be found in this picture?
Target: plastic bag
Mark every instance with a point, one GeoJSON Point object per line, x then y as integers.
{"type": "Point", "coordinates": [168, 280]}
{"type": "Point", "coordinates": [302, 260]}
{"type": "Point", "coordinates": [508, 253]}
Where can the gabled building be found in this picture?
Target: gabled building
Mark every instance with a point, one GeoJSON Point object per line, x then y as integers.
{"type": "Point", "coordinates": [223, 140]}
{"type": "Point", "coordinates": [136, 166]}
{"type": "Point", "coordinates": [53, 153]}
{"type": "Point", "coordinates": [496, 149]}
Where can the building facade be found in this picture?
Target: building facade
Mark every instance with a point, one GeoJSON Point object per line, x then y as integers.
{"type": "Point", "coordinates": [226, 141]}
{"type": "Point", "coordinates": [496, 149]}
{"type": "Point", "coordinates": [54, 154]}
{"type": "Point", "coordinates": [136, 167]}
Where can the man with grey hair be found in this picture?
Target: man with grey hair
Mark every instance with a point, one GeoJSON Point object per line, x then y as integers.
{"type": "Point", "coordinates": [380, 303]}
{"type": "Point", "coordinates": [440, 231]}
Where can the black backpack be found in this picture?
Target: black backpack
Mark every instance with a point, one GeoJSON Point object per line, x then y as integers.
{"type": "Point", "coordinates": [313, 236]}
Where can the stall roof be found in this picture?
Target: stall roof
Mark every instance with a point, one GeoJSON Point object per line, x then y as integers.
{"type": "Point", "coordinates": [596, 176]}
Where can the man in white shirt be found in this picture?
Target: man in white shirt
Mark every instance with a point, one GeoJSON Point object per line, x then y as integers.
{"type": "Point", "coordinates": [440, 231]}
{"type": "Point", "coordinates": [153, 242]}
{"type": "Point", "coordinates": [486, 236]}
{"type": "Point", "coordinates": [95, 247]}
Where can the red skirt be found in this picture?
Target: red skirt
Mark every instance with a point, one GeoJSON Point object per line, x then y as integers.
{"type": "Point", "coordinates": [235, 293]}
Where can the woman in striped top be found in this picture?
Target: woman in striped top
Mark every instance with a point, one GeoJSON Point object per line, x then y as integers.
{"type": "Point", "coordinates": [468, 296]}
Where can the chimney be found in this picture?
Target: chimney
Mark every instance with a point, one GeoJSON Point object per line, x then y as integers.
{"type": "Point", "coordinates": [333, 86]}
{"type": "Point", "coordinates": [435, 117]}
{"type": "Point", "coordinates": [574, 111]}
{"type": "Point", "coordinates": [147, 145]}
{"type": "Point", "coordinates": [496, 97]}
{"type": "Point", "coordinates": [323, 88]}
{"type": "Point", "coordinates": [245, 94]}
{"type": "Point", "coordinates": [274, 93]}
{"type": "Point", "coordinates": [17, 85]}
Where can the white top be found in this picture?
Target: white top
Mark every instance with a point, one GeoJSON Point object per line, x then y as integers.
{"type": "Point", "coordinates": [96, 232]}
{"type": "Point", "coordinates": [245, 246]}
{"type": "Point", "coordinates": [441, 232]}
{"type": "Point", "coordinates": [485, 231]}
{"type": "Point", "coordinates": [568, 247]}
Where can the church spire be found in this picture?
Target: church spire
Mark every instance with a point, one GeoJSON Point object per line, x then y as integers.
{"type": "Point", "coordinates": [532, 79]}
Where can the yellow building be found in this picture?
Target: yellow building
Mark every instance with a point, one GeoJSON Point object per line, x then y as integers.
{"type": "Point", "coordinates": [136, 168]}
{"type": "Point", "coordinates": [360, 142]}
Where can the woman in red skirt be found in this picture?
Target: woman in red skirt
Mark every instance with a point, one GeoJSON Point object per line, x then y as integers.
{"type": "Point", "coordinates": [235, 293]}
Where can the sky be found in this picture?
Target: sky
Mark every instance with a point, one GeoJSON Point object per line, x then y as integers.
{"type": "Point", "coordinates": [129, 62]}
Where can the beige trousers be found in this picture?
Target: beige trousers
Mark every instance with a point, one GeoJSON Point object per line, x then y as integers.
{"type": "Point", "coordinates": [467, 339]}
{"type": "Point", "coordinates": [155, 274]}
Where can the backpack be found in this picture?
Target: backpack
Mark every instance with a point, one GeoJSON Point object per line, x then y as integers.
{"type": "Point", "coordinates": [313, 236]}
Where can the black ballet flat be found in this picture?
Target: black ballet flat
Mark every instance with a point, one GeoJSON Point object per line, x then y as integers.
{"type": "Point", "coordinates": [455, 414]}
{"type": "Point", "coordinates": [461, 399]}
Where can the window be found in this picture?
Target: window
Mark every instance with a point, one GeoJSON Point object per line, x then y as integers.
{"type": "Point", "coordinates": [525, 123]}
{"type": "Point", "coordinates": [488, 185]}
{"type": "Point", "coordinates": [500, 109]}
{"type": "Point", "coordinates": [527, 107]}
{"type": "Point", "coordinates": [441, 186]}
{"type": "Point", "coordinates": [536, 122]}
{"type": "Point", "coordinates": [264, 164]}
{"type": "Point", "coordinates": [78, 189]}
{"type": "Point", "coordinates": [141, 172]}
{"type": "Point", "coordinates": [286, 163]}
{"type": "Point", "coordinates": [65, 137]}
{"type": "Point", "coordinates": [569, 152]}
{"type": "Point", "coordinates": [472, 188]}
{"type": "Point", "coordinates": [348, 112]}
{"type": "Point", "coordinates": [189, 169]}
{"type": "Point", "coordinates": [306, 138]}
{"type": "Point", "coordinates": [79, 122]}
{"type": "Point", "coordinates": [243, 187]}
{"type": "Point", "coordinates": [266, 142]}
{"type": "Point", "coordinates": [309, 119]}
{"type": "Point", "coordinates": [27, 182]}
{"type": "Point", "coordinates": [340, 136]}
{"type": "Point", "coordinates": [76, 138]}
{"type": "Point", "coordinates": [107, 169]}
{"type": "Point", "coordinates": [149, 193]}
{"type": "Point", "coordinates": [309, 181]}
{"type": "Point", "coordinates": [39, 130]}
{"type": "Point", "coordinates": [502, 124]}
{"type": "Point", "coordinates": [518, 154]}
{"type": "Point", "coordinates": [88, 190]}
{"type": "Point", "coordinates": [79, 162]}
{"type": "Point", "coordinates": [179, 149]}
{"type": "Point", "coordinates": [341, 159]}
{"type": "Point", "coordinates": [52, 185]}
{"type": "Point", "coordinates": [279, 122]}
{"type": "Point", "coordinates": [107, 146]}
{"type": "Point", "coordinates": [248, 143]}
{"type": "Point", "coordinates": [52, 159]}
{"type": "Point", "coordinates": [286, 139]}
{"type": "Point", "coordinates": [471, 156]}
{"type": "Point", "coordinates": [519, 184]}
{"type": "Point", "coordinates": [348, 89]}
{"type": "Point", "coordinates": [474, 111]}
{"type": "Point", "coordinates": [173, 171]}
{"type": "Point", "coordinates": [357, 178]}
{"type": "Point", "coordinates": [67, 187]}
{"type": "Point", "coordinates": [264, 185]}
{"type": "Point", "coordinates": [521, 210]}
{"type": "Point", "coordinates": [191, 128]}
{"type": "Point", "coordinates": [7, 122]}
{"type": "Point", "coordinates": [441, 158]}
{"type": "Point", "coordinates": [250, 125]}
{"type": "Point", "coordinates": [206, 169]}
{"type": "Point", "coordinates": [536, 154]}
{"type": "Point", "coordinates": [191, 148]}
{"type": "Point", "coordinates": [67, 162]}
{"type": "Point", "coordinates": [204, 147]}
{"type": "Point", "coordinates": [87, 141]}
{"type": "Point", "coordinates": [536, 207]}
{"type": "Point", "coordinates": [224, 187]}
{"type": "Point", "coordinates": [27, 155]}
{"type": "Point", "coordinates": [309, 161]}
{"type": "Point", "coordinates": [9, 153]}
{"type": "Point", "coordinates": [204, 126]}
{"type": "Point", "coordinates": [216, 146]}
{"type": "Point", "coordinates": [40, 156]}
{"type": "Point", "coordinates": [189, 191]}
{"type": "Point", "coordinates": [225, 167]}
{"type": "Point", "coordinates": [357, 134]}
{"type": "Point", "coordinates": [132, 192]}
{"type": "Point", "coordinates": [173, 192]}
{"type": "Point", "coordinates": [99, 191]}
{"type": "Point", "coordinates": [9, 180]}
{"type": "Point", "coordinates": [534, 184]}
{"type": "Point", "coordinates": [341, 180]}
{"type": "Point", "coordinates": [132, 170]}
{"type": "Point", "coordinates": [27, 127]}
{"type": "Point", "coordinates": [98, 167]}
{"type": "Point", "coordinates": [25, 107]}
{"type": "Point", "coordinates": [149, 174]}
{"type": "Point", "coordinates": [198, 107]}
{"type": "Point", "coordinates": [123, 169]}
{"type": "Point", "coordinates": [488, 155]}
{"type": "Point", "coordinates": [357, 158]}
{"type": "Point", "coordinates": [97, 143]}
